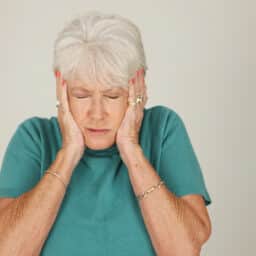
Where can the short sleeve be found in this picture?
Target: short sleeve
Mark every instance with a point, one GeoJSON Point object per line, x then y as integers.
{"type": "Point", "coordinates": [179, 166]}
{"type": "Point", "coordinates": [20, 169]}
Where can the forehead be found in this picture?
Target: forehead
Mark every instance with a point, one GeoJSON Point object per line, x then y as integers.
{"type": "Point", "coordinates": [80, 85]}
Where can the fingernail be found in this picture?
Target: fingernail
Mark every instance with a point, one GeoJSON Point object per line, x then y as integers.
{"type": "Point", "coordinates": [63, 82]}
{"type": "Point", "coordinates": [57, 73]}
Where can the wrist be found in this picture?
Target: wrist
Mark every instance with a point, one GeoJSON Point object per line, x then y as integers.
{"type": "Point", "coordinates": [131, 154]}
{"type": "Point", "coordinates": [70, 155]}
{"type": "Point", "coordinates": [66, 160]}
{"type": "Point", "coordinates": [64, 164]}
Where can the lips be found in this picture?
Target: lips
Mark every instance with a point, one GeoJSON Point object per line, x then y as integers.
{"type": "Point", "coordinates": [97, 130]}
{"type": "Point", "coordinates": [93, 131]}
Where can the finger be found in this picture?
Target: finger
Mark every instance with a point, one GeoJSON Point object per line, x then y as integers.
{"type": "Point", "coordinates": [58, 92]}
{"type": "Point", "coordinates": [136, 83]}
{"type": "Point", "coordinates": [143, 87]}
{"type": "Point", "coordinates": [57, 74]}
{"type": "Point", "coordinates": [140, 89]}
{"type": "Point", "coordinates": [145, 98]}
{"type": "Point", "coordinates": [141, 81]}
{"type": "Point", "coordinates": [137, 92]}
{"type": "Point", "coordinates": [63, 95]}
{"type": "Point", "coordinates": [131, 97]}
{"type": "Point", "coordinates": [135, 88]}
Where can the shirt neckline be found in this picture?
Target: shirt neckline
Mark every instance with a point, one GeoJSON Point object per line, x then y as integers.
{"type": "Point", "coordinates": [102, 152]}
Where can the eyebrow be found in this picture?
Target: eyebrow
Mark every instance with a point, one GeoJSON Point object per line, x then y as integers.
{"type": "Point", "coordinates": [86, 90]}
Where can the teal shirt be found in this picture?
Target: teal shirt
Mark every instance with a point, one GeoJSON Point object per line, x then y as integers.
{"type": "Point", "coordinates": [99, 214]}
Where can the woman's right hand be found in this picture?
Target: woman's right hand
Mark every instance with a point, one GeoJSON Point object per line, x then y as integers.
{"type": "Point", "coordinates": [72, 137]}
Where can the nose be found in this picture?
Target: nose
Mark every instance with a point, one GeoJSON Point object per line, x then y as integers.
{"type": "Point", "coordinates": [97, 110]}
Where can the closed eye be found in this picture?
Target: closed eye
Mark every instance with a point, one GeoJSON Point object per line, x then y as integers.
{"type": "Point", "coordinates": [113, 97]}
{"type": "Point", "coordinates": [81, 97]}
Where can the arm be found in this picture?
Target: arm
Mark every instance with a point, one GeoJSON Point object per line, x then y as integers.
{"type": "Point", "coordinates": [174, 227]}
{"type": "Point", "coordinates": [30, 216]}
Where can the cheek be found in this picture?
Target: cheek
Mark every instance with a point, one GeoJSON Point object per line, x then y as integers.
{"type": "Point", "coordinates": [118, 114]}
{"type": "Point", "coordinates": [77, 110]}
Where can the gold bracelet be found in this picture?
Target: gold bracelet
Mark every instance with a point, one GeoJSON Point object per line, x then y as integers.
{"type": "Point", "coordinates": [58, 176]}
{"type": "Point", "coordinates": [139, 197]}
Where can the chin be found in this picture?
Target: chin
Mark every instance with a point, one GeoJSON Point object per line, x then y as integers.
{"type": "Point", "coordinates": [99, 145]}
{"type": "Point", "coordinates": [99, 142]}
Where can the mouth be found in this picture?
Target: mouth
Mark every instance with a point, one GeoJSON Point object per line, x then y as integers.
{"type": "Point", "coordinates": [97, 131]}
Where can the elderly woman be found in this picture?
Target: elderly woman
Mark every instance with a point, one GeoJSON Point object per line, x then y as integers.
{"type": "Point", "coordinates": [106, 176]}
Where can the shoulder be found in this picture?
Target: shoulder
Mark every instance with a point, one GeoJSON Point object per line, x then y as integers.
{"type": "Point", "coordinates": [161, 112]}
{"type": "Point", "coordinates": [36, 122]}
{"type": "Point", "coordinates": [162, 126]}
{"type": "Point", "coordinates": [163, 117]}
{"type": "Point", "coordinates": [36, 128]}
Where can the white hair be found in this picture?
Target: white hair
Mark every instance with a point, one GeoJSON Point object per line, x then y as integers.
{"type": "Point", "coordinates": [99, 48]}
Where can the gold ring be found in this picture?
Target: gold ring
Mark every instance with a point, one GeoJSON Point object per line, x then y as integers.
{"type": "Point", "coordinates": [57, 104]}
{"type": "Point", "coordinates": [139, 99]}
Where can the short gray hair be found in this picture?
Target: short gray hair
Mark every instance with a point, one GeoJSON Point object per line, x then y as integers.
{"type": "Point", "coordinates": [99, 48]}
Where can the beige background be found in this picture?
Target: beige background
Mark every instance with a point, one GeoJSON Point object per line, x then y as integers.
{"type": "Point", "coordinates": [200, 56]}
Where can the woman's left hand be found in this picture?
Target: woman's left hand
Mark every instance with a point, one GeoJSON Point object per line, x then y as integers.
{"type": "Point", "coordinates": [128, 133]}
